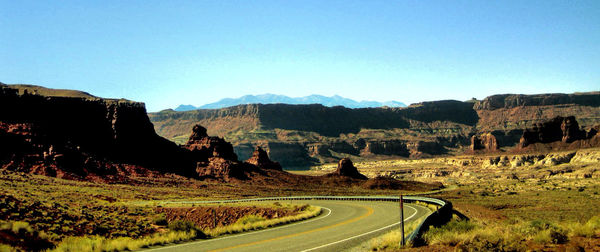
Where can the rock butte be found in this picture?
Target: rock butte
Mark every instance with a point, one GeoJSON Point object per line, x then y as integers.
{"type": "Point", "coordinates": [85, 137]}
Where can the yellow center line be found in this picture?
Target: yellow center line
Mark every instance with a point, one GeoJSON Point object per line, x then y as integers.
{"type": "Point", "coordinates": [369, 212]}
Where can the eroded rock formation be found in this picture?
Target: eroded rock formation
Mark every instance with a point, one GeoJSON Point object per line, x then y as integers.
{"type": "Point", "coordinates": [45, 132]}
{"type": "Point", "coordinates": [486, 142]}
{"type": "Point", "coordinates": [205, 146]}
{"type": "Point", "coordinates": [214, 156]}
{"type": "Point", "coordinates": [519, 100]}
{"type": "Point", "coordinates": [564, 129]}
{"type": "Point", "coordinates": [49, 132]}
{"type": "Point", "coordinates": [347, 169]}
{"type": "Point", "coordinates": [260, 158]}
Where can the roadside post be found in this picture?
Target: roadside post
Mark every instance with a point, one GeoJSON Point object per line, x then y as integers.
{"type": "Point", "coordinates": [214, 214]}
{"type": "Point", "coordinates": [402, 242]}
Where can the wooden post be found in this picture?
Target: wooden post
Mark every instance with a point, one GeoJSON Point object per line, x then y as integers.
{"type": "Point", "coordinates": [214, 214]}
{"type": "Point", "coordinates": [402, 242]}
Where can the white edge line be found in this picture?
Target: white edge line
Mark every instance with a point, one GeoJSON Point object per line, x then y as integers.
{"type": "Point", "coordinates": [243, 234]}
{"type": "Point", "coordinates": [356, 236]}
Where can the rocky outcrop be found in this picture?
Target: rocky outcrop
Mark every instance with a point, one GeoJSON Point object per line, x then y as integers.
{"type": "Point", "coordinates": [421, 149]}
{"type": "Point", "coordinates": [441, 111]}
{"type": "Point", "coordinates": [204, 146]}
{"type": "Point", "coordinates": [50, 133]}
{"type": "Point", "coordinates": [214, 156]}
{"type": "Point", "coordinates": [486, 142]}
{"type": "Point", "coordinates": [260, 158]}
{"type": "Point", "coordinates": [508, 101]}
{"type": "Point", "coordinates": [564, 129]}
{"type": "Point", "coordinates": [289, 154]}
{"type": "Point", "coordinates": [346, 168]}
{"type": "Point", "coordinates": [570, 130]}
{"type": "Point", "coordinates": [305, 135]}
{"type": "Point", "coordinates": [220, 168]}
{"type": "Point", "coordinates": [82, 136]}
{"type": "Point", "coordinates": [386, 147]}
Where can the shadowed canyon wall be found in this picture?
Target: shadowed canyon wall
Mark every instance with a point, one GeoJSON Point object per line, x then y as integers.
{"type": "Point", "coordinates": [301, 135]}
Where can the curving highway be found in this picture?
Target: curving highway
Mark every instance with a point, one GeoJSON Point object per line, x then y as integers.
{"type": "Point", "coordinates": [341, 226]}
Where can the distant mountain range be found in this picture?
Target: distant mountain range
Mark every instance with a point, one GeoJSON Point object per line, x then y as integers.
{"type": "Point", "coordinates": [335, 100]}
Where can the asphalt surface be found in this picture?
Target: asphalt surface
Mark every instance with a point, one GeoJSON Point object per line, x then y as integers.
{"type": "Point", "coordinates": [341, 226]}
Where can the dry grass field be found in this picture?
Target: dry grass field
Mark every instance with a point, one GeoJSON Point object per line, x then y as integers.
{"type": "Point", "coordinates": [529, 202]}
{"type": "Point", "coordinates": [514, 202]}
{"type": "Point", "coordinates": [40, 212]}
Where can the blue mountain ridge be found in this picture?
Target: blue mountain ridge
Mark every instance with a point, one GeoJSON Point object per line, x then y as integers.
{"type": "Point", "coordinates": [335, 100]}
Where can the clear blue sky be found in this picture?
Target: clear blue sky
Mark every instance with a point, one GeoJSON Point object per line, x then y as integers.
{"type": "Point", "coordinates": [166, 53]}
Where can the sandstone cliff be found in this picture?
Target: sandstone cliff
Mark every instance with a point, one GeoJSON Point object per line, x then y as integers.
{"type": "Point", "coordinates": [50, 132]}
{"type": "Point", "coordinates": [85, 132]}
{"type": "Point", "coordinates": [507, 101]}
{"type": "Point", "coordinates": [302, 135]}
{"type": "Point", "coordinates": [561, 132]}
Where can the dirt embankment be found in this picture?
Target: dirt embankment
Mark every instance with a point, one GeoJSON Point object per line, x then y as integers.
{"type": "Point", "coordinates": [207, 217]}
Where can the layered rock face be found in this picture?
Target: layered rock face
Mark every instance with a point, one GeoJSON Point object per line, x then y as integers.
{"type": "Point", "coordinates": [204, 146]}
{"type": "Point", "coordinates": [260, 158]}
{"type": "Point", "coordinates": [508, 101]}
{"type": "Point", "coordinates": [304, 135]}
{"type": "Point", "coordinates": [48, 132]}
{"type": "Point", "coordinates": [485, 142]}
{"type": "Point", "coordinates": [215, 157]}
{"type": "Point", "coordinates": [518, 112]}
{"type": "Point", "coordinates": [563, 129]}
{"type": "Point", "coordinates": [346, 168]}
{"type": "Point", "coordinates": [80, 136]}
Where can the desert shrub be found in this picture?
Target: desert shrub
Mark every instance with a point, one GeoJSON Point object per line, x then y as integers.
{"type": "Point", "coordinates": [449, 232]}
{"type": "Point", "coordinates": [182, 225]}
{"type": "Point", "coordinates": [20, 227]}
{"type": "Point", "coordinates": [468, 236]}
{"type": "Point", "coordinates": [490, 240]}
{"type": "Point", "coordinates": [552, 235]}
{"type": "Point", "coordinates": [248, 219]}
{"type": "Point", "coordinates": [589, 229]}
{"type": "Point", "coordinates": [543, 232]}
{"type": "Point", "coordinates": [303, 207]}
{"type": "Point", "coordinates": [392, 239]}
{"type": "Point", "coordinates": [534, 227]}
{"type": "Point", "coordinates": [389, 241]}
{"type": "Point", "coordinates": [7, 248]}
{"type": "Point", "coordinates": [22, 231]}
{"type": "Point", "coordinates": [160, 220]}
{"type": "Point", "coordinates": [186, 227]}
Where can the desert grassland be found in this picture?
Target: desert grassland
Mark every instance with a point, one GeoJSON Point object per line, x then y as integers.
{"type": "Point", "coordinates": [532, 206]}
{"type": "Point", "coordinates": [179, 231]}
{"type": "Point", "coordinates": [86, 216]}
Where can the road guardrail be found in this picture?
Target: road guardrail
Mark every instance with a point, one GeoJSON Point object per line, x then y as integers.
{"type": "Point", "coordinates": [408, 199]}
{"type": "Point", "coordinates": [442, 215]}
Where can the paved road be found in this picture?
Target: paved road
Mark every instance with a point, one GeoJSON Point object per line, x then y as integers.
{"type": "Point", "coordinates": [342, 225]}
